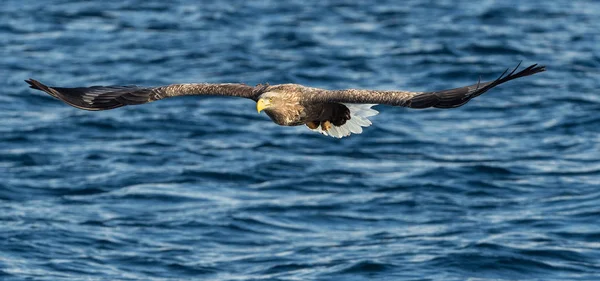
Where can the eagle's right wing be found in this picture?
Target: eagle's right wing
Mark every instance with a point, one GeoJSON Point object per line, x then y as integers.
{"type": "Point", "coordinates": [440, 99]}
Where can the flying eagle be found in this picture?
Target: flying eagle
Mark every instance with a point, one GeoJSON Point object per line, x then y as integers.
{"type": "Point", "coordinates": [336, 113]}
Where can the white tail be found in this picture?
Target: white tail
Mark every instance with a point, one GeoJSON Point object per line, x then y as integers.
{"type": "Point", "coordinates": [359, 117]}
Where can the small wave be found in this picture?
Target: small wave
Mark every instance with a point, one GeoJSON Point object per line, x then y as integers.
{"type": "Point", "coordinates": [367, 266]}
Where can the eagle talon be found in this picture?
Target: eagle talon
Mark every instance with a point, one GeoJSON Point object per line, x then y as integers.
{"type": "Point", "coordinates": [325, 125]}
{"type": "Point", "coordinates": [312, 125]}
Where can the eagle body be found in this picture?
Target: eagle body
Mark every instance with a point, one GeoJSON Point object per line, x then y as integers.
{"type": "Point", "coordinates": [336, 113]}
{"type": "Point", "coordinates": [295, 106]}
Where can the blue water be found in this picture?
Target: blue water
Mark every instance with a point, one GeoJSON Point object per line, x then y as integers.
{"type": "Point", "coordinates": [504, 188]}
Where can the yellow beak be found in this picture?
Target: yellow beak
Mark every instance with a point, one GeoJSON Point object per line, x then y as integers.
{"type": "Point", "coordinates": [261, 105]}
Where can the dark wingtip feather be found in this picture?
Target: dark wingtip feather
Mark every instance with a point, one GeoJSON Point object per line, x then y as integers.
{"type": "Point", "coordinates": [458, 97]}
{"type": "Point", "coordinates": [72, 96]}
{"type": "Point", "coordinates": [34, 84]}
{"type": "Point", "coordinates": [530, 70]}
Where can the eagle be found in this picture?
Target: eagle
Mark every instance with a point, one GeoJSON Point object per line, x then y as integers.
{"type": "Point", "coordinates": [335, 113]}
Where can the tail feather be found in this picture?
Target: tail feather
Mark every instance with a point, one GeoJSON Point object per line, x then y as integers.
{"type": "Point", "coordinates": [359, 118]}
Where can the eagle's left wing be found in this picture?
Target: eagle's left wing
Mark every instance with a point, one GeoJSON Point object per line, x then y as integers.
{"type": "Point", "coordinates": [109, 97]}
{"type": "Point", "coordinates": [439, 99]}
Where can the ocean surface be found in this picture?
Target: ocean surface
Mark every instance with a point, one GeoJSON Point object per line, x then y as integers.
{"type": "Point", "coordinates": [506, 187]}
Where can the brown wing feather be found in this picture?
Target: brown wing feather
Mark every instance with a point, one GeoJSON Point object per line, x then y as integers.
{"type": "Point", "coordinates": [439, 99]}
{"type": "Point", "coordinates": [109, 97]}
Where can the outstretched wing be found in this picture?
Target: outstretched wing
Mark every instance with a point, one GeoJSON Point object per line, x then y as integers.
{"type": "Point", "coordinates": [103, 98]}
{"type": "Point", "coordinates": [439, 99]}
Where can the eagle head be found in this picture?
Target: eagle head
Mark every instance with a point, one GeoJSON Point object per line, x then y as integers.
{"type": "Point", "coordinates": [283, 108]}
{"type": "Point", "coordinates": [269, 101]}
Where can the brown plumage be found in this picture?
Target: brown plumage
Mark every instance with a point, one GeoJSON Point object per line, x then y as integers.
{"type": "Point", "coordinates": [286, 104]}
